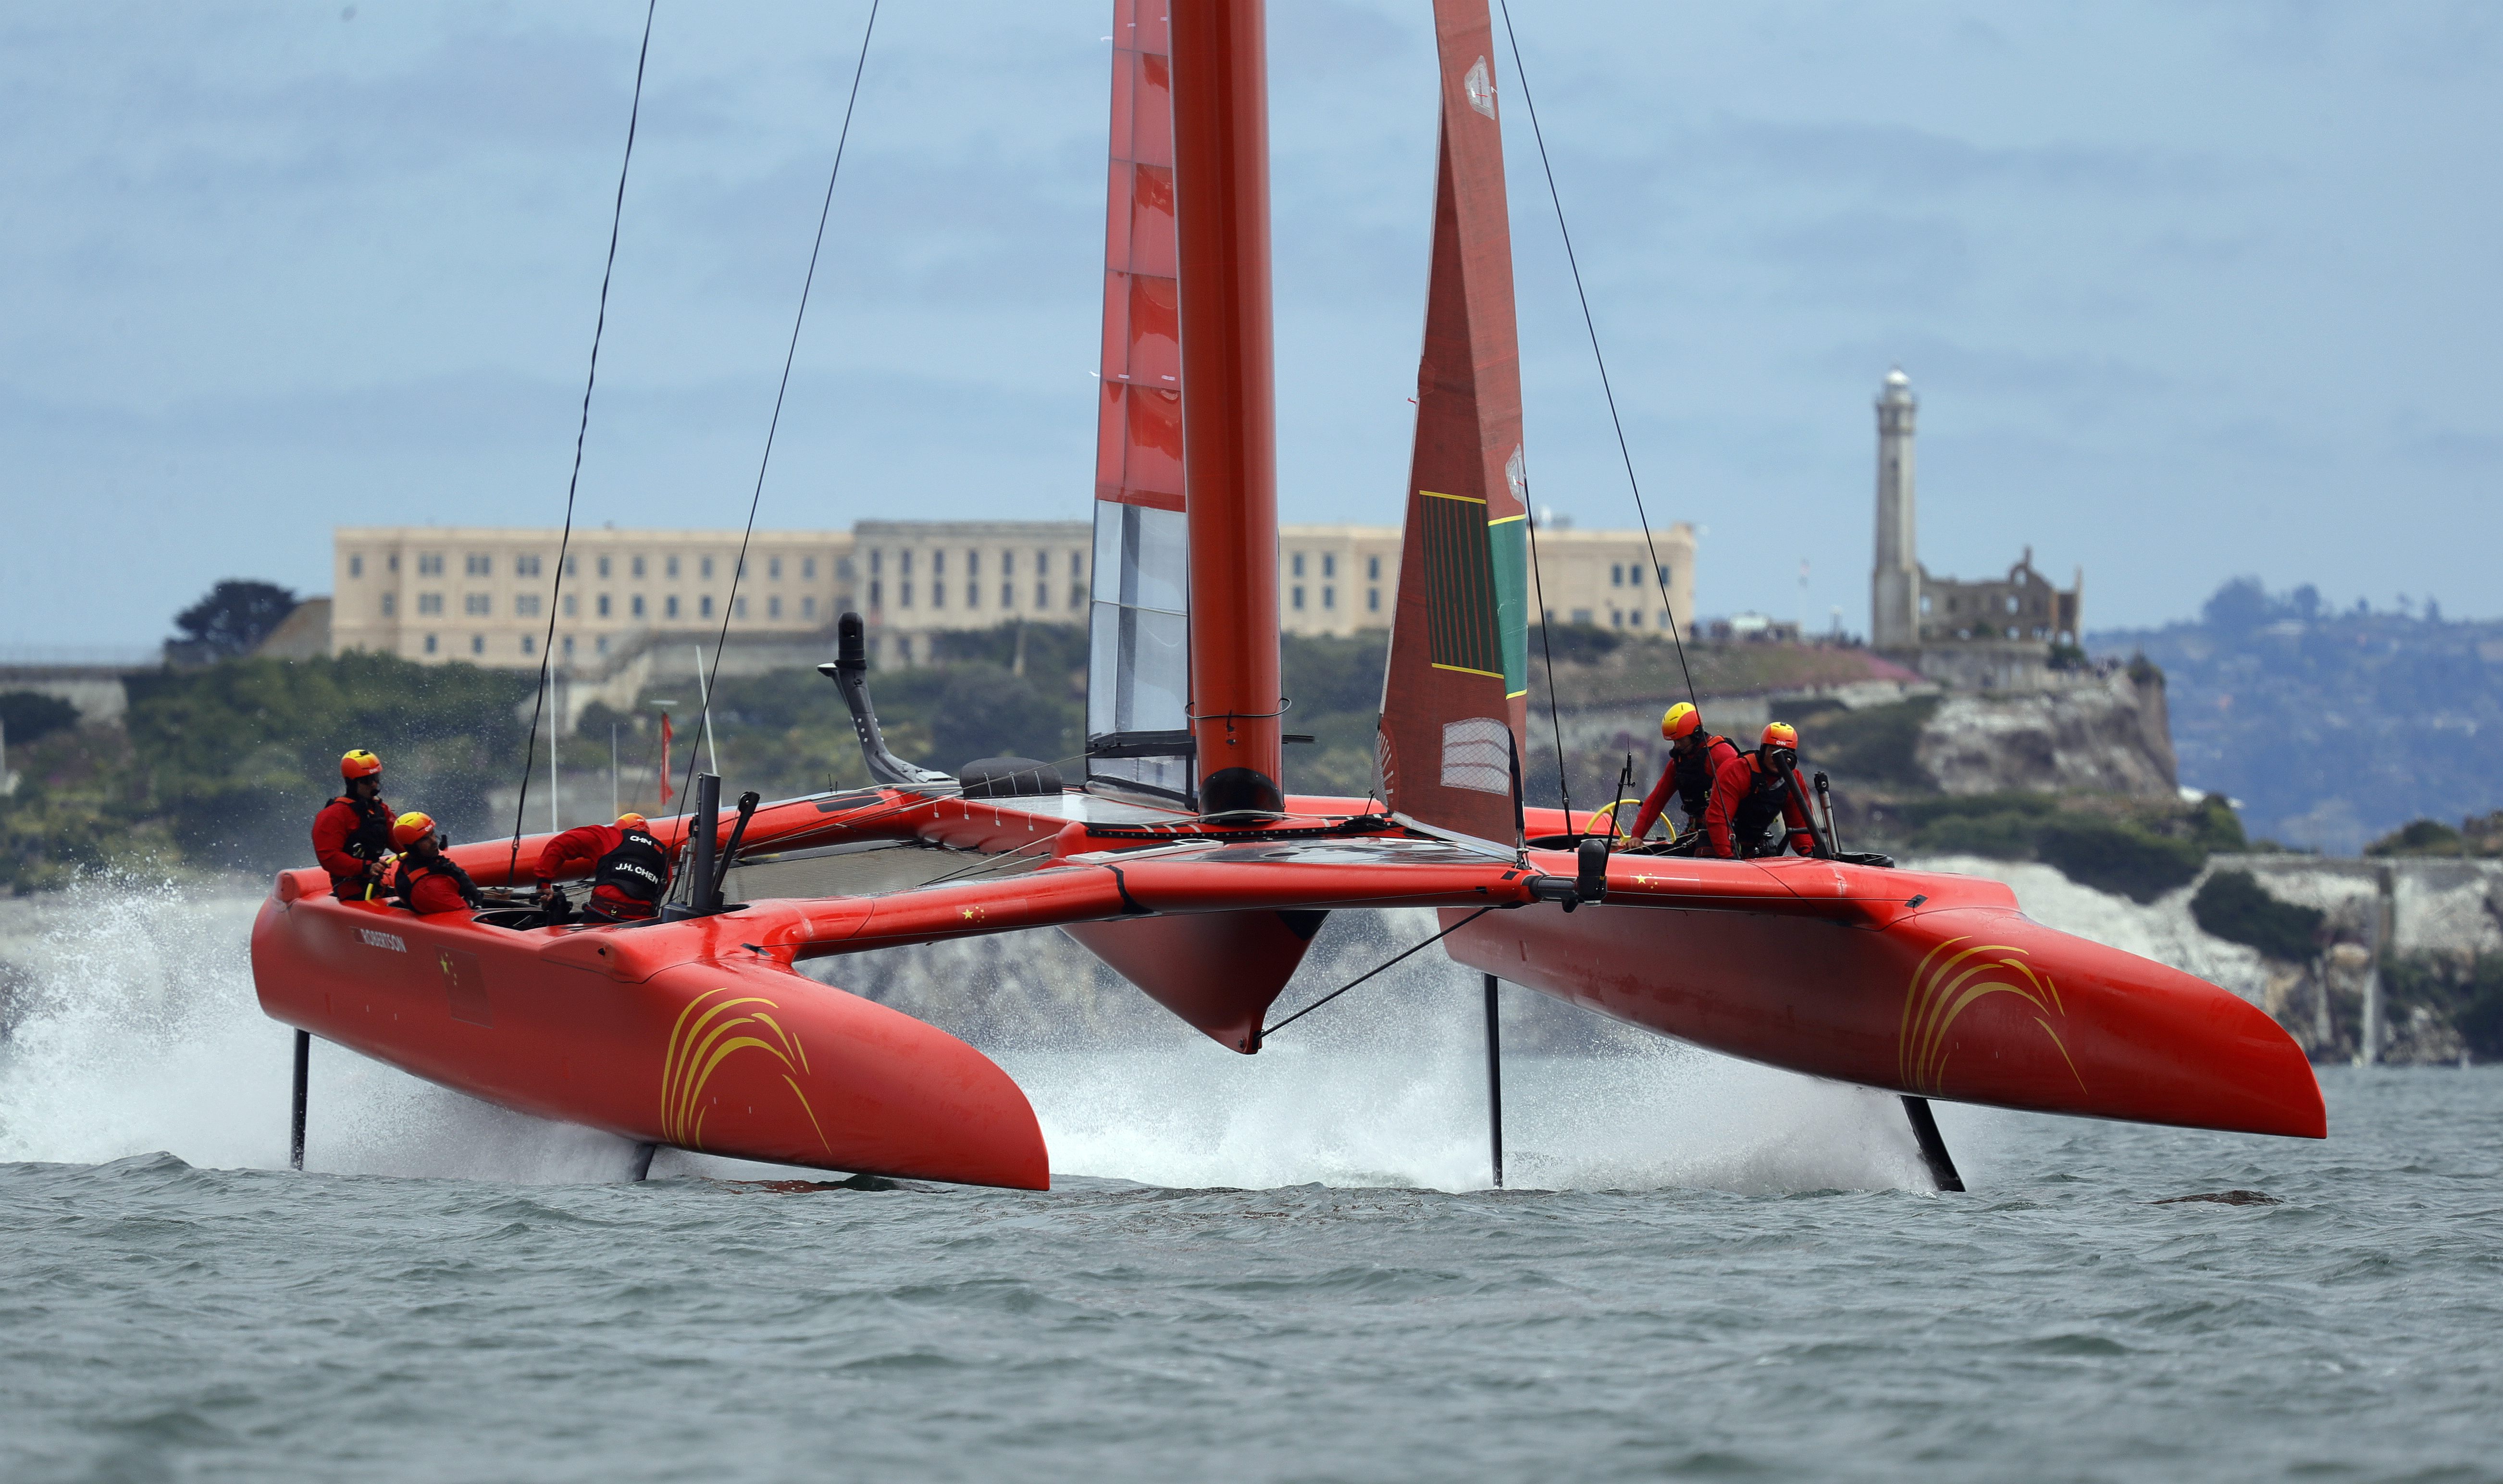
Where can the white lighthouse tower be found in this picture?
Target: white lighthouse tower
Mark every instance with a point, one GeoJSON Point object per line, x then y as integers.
{"type": "Point", "coordinates": [1894, 585]}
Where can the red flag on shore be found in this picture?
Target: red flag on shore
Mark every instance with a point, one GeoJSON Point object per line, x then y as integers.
{"type": "Point", "coordinates": [666, 792]}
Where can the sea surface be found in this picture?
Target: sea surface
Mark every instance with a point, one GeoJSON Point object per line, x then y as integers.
{"type": "Point", "coordinates": [1281, 1268]}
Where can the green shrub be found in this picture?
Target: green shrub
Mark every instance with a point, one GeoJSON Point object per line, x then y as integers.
{"type": "Point", "coordinates": [2002, 836]}
{"type": "Point", "coordinates": [2216, 827]}
{"type": "Point", "coordinates": [1875, 745]}
{"type": "Point", "coordinates": [2422, 837]}
{"type": "Point", "coordinates": [2115, 857]}
{"type": "Point", "coordinates": [2234, 906]}
{"type": "Point", "coordinates": [29, 715]}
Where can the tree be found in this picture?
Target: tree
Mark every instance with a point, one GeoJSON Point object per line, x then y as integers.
{"type": "Point", "coordinates": [2238, 607]}
{"type": "Point", "coordinates": [235, 616]}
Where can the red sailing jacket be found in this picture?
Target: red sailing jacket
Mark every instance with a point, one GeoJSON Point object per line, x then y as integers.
{"type": "Point", "coordinates": [347, 836]}
{"type": "Point", "coordinates": [1745, 796]}
{"type": "Point", "coordinates": [427, 886]}
{"type": "Point", "coordinates": [1691, 778]}
{"type": "Point", "coordinates": [583, 850]}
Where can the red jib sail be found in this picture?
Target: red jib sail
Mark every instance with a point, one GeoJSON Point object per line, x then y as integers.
{"type": "Point", "coordinates": [1455, 699]}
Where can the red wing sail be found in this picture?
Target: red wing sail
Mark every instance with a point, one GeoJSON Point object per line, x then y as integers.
{"type": "Point", "coordinates": [1453, 699]}
{"type": "Point", "coordinates": [1138, 684]}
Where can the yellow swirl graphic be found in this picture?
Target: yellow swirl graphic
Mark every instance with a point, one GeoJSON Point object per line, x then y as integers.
{"type": "Point", "coordinates": [708, 1034]}
{"type": "Point", "coordinates": [1946, 985]}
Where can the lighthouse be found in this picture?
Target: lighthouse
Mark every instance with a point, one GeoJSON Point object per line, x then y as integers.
{"type": "Point", "coordinates": [1894, 584]}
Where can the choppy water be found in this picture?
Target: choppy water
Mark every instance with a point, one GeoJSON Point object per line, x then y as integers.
{"type": "Point", "coordinates": [1730, 1273]}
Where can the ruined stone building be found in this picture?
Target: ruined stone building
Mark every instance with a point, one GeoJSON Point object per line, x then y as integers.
{"type": "Point", "coordinates": [1992, 634]}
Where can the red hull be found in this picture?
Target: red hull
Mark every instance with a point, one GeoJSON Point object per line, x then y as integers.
{"type": "Point", "coordinates": [729, 1053]}
{"type": "Point", "coordinates": [1960, 997]}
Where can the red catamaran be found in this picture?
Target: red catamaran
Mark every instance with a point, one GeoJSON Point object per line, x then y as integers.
{"type": "Point", "coordinates": [1179, 860]}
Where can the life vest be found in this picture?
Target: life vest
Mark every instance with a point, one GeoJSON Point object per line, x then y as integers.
{"type": "Point", "coordinates": [1762, 807]}
{"type": "Point", "coordinates": [412, 870]}
{"type": "Point", "coordinates": [372, 838]}
{"type": "Point", "coordinates": [635, 868]}
{"type": "Point", "coordinates": [1696, 769]}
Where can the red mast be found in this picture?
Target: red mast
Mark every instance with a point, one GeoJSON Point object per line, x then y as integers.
{"type": "Point", "coordinates": [1220, 105]}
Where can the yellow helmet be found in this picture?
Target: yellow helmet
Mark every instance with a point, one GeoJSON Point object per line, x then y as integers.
{"type": "Point", "coordinates": [410, 828]}
{"type": "Point", "coordinates": [1780, 734]}
{"type": "Point", "coordinates": [630, 820]}
{"type": "Point", "coordinates": [360, 764]}
{"type": "Point", "coordinates": [1679, 721]}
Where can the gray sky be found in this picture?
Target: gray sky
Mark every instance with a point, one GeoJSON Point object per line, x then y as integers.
{"type": "Point", "coordinates": [2187, 289]}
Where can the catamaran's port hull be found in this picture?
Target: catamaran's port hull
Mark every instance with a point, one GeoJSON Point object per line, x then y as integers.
{"type": "Point", "coordinates": [742, 1059]}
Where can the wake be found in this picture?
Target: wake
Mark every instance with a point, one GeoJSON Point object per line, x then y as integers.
{"type": "Point", "coordinates": [128, 1025]}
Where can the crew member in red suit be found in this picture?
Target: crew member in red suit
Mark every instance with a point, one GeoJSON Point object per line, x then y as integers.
{"type": "Point", "coordinates": [1695, 758]}
{"type": "Point", "coordinates": [427, 880]}
{"type": "Point", "coordinates": [1752, 791]}
{"type": "Point", "coordinates": [352, 835]}
{"type": "Point", "coordinates": [630, 871]}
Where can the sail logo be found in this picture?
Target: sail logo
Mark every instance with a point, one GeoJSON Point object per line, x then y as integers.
{"type": "Point", "coordinates": [1944, 987]}
{"type": "Point", "coordinates": [381, 939]}
{"type": "Point", "coordinates": [702, 1038]}
{"type": "Point", "coordinates": [1479, 87]}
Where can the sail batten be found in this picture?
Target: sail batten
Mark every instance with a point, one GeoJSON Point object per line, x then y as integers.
{"type": "Point", "coordinates": [1455, 697]}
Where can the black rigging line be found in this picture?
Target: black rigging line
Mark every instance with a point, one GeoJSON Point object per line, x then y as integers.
{"type": "Point", "coordinates": [1659, 574]}
{"type": "Point", "coordinates": [1547, 653]}
{"type": "Point", "coordinates": [738, 570]}
{"type": "Point", "coordinates": [1272, 1030]}
{"type": "Point", "coordinates": [547, 652]}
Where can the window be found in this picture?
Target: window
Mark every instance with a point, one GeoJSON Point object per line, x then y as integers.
{"type": "Point", "coordinates": [773, 606]}
{"type": "Point", "coordinates": [389, 605]}
{"type": "Point", "coordinates": [703, 605]}
{"type": "Point", "coordinates": [669, 607]}
{"type": "Point", "coordinates": [476, 603]}
{"type": "Point", "coordinates": [525, 566]}
{"type": "Point", "coordinates": [903, 563]}
{"type": "Point", "coordinates": [842, 568]}
{"type": "Point", "coordinates": [938, 590]}
{"type": "Point", "coordinates": [1298, 560]}
{"type": "Point", "coordinates": [1329, 566]}
{"type": "Point", "coordinates": [573, 566]}
{"type": "Point", "coordinates": [1580, 615]}
{"type": "Point", "coordinates": [876, 562]}
{"type": "Point", "coordinates": [429, 563]}
{"type": "Point", "coordinates": [1373, 600]}
{"type": "Point", "coordinates": [572, 604]}
{"type": "Point", "coordinates": [477, 643]}
{"type": "Point", "coordinates": [355, 567]}
{"type": "Point", "coordinates": [391, 563]}
{"type": "Point", "coordinates": [1616, 575]}
{"type": "Point", "coordinates": [1078, 594]}
{"type": "Point", "coordinates": [938, 564]}
{"type": "Point", "coordinates": [568, 646]}
{"type": "Point", "coordinates": [772, 569]}
{"type": "Point", "coordinates": [1042, 595]}
{"type": "Point", "coordinates": [1042, 563]}
{"type": "Point", "coordinates": [1007, 564]}
{"type": "Point", "coordinates": [1329, 597]}
{"type": "Point", "coordinates": [1077, 564]}
{"type": "Point", "coordinates": [603, 566]}
{"type": "Point", "coordinates": [1299, 590]}
{"type": "Point", "coordinates": [530, 645]}
{"type": "Point", "coordinates": [603, 604]}
{"type": "Point", "coordinates": [876, 595]}
{"type": "Point", "coordinates": [670, 566]}
{"type": "Point", "coordinates": [807, 569]}
{"type": "Point", "coordinates": [430, 602]}
{"type": "Point", "coordinates": [903, 593]}
{"type": "Point", "coordinates": [972, 595]}
{"type": "Point", "coordinates": [741, 606]}
{"type": "Point", "coordinates": [1664, 575]}
{"type": "Point", "coordinates": [638, 605]}
{"type": "Point", "coordinates": [1633, 620]}
{"type": "Point", "coordinates": [705, 566]}
{"type": "Point", "coordinates": [430, 643]}
{"type": "Point", "coordinates": [807, 607]}
{"type": "Point", "coordinates": [637, 567]}
{"type": "Point", "coordinates": [1373, 568]}
{"type": "Point", "coordinates": [1007, 595]}
{"type": "Point", "coordinates": [480, 565]}
{"type": "Point", "coordinates": [526, 605]}
{"type": "Point", "coordinates": [602, 644]}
